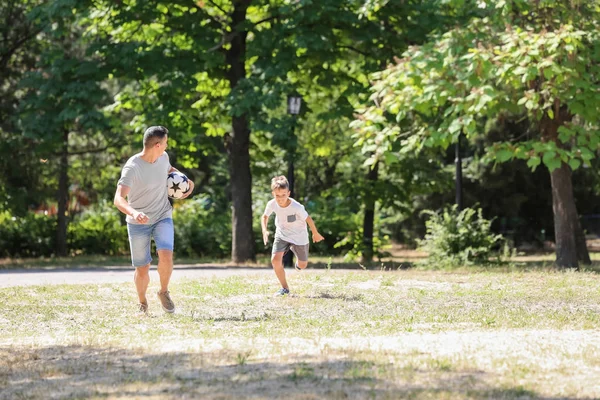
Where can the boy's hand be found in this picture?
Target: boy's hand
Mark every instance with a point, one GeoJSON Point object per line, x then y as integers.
{"type": "Point", "coordinates": [317, 237]}
{"type": "Point", "coordinates": [266, 237]}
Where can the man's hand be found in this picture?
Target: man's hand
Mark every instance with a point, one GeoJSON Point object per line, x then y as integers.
{"type": "Point", "coordinates": [265, 237]}
{"type": "Point", "coordinates": [140, 217]}
{"type": "Point", "coordinates": [190, 190]}
{"type": "Point", "coordinates": [317, 237]}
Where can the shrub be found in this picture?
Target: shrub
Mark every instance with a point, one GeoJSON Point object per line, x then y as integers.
{"type": "Point", "coordinates": [33, 235]}
{"type": "Point", "coordinates": [459, 238]}
{"type": "Point", "coordinates": [98, 230]}
{"type": "Point", "coordinates": [342, 227]}
{"type": "Point", "coordinates": [201, 229]}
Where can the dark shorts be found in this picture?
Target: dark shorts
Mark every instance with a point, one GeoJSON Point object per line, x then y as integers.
{"type": "Point", "coordinates": [300, 250]}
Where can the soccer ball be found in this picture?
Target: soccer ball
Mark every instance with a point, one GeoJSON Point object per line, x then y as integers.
{"type": "Point", "coordinates": [177, 185]}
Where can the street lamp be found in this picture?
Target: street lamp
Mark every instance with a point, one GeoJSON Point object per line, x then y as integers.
{"type": "Point", "coordinates": [458, 177]}
{"type": "Point", "coordinates": [294, 104]}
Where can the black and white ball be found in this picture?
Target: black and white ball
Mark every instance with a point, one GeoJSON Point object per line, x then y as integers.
{"type": "Point", "coordinates": [177, 185]}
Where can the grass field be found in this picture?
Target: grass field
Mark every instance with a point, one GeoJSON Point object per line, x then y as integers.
{"type": "Point", "coordinates": [343, 334]}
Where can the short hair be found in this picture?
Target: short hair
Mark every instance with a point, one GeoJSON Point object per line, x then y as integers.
{"type": "Point", "coordinates": [154, 134]}
{"type": "Point", "coordinates": [280, 182]}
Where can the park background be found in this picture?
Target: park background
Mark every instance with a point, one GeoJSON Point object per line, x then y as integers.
{"type": "Point", "coordinates": [434, 123]}
{"type": "Point", "coordinates": [392, 93]}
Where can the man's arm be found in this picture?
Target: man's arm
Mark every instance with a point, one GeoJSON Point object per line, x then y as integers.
{"type": "Point", "coordinates": [316, 236]}
{"type": "Point", "coordinates": [265, 232]}
{"type": "Point", "coordinates": [121, 202]}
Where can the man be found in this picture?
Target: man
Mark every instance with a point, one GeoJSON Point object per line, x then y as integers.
{"type": "Point", "coordinates": [144, 183]}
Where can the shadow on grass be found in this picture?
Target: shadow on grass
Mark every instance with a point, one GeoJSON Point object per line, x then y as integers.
{"type": "Point", "coordinates": [373, 266]}
{"type": "Point", "coordinates": [344, 297]}
{"type": "Point", "coordinates": [70, 372]}
{"type": "Point", "coordinates": [239, 318]}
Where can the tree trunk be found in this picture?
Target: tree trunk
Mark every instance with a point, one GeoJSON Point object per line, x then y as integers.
{"type": "Point", "coordinates": [583, 256]}
{"type": "Point", "coordinates": [369, 219]}
{"type": "Point", "coordinates": [570, 240]}
{"type": "Point", "coordinates": [242, 246]}
{"type": "Point", "coordinates": [569, 237]}
{"type": "Point", "coordinates": [288, 258]}
{"type": "Point", "coordinates": [63, 198]}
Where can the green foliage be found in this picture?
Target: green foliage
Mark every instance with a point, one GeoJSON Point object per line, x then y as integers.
{"type": "Point", "coordinates": [355, 245]}
{"type": "Point", "coordinates": [32, 235]}
{"type": "Point", "coordinates": [341, 225]}
{"type": "Point", "coordinates": [458, 238]}
{"type": "Point", "coordinates": [98, 230]}
{"type": "Point", "coordinates": [519, 62]}
{"type": "Point", "coordinates": [201, 228]}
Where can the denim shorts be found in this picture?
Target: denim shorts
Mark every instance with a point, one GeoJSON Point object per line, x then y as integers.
{"type": "Point", "coordinates": [140, 236]}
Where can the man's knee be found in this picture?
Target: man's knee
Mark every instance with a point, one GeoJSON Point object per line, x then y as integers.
{"type": "Point", "coordinates": [165, 255]}
{"type": "Point", "coordinates": [142, 271]}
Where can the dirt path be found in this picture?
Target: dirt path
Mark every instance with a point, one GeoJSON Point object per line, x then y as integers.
{"type": "Point", "coordinates": [58, 276]}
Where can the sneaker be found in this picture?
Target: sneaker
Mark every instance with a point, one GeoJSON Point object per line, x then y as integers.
{"type": "Point", "coordinates": [143, 307]}
{"type": "Point", "coordinates": [297, 267]}
{"type": "Point", "coordinates": [167, 303]}
{"type": "Point", "coordinates": [282, 292]}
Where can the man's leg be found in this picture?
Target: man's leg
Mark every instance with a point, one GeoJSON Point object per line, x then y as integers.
{"type": "Point", "coordinates": [139, 244]}
{"type": "Point", "coordinates": [165, 268]}
{"type": "Point", "coordinates": [141, 278]}
{"type": "Point", "coordinates": [164, 237]}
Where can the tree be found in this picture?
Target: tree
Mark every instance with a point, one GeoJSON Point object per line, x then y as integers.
{"type": "Point", "coordinates": [20, 169]}
{"type": "Point", "coordinates": [61, 110]}
{"type": "Point", "coordinates": [535, 60]}
{"type": "Point", "coordinates": [232, 64]}
{"type": "Point", "coordinates": [400, 24]}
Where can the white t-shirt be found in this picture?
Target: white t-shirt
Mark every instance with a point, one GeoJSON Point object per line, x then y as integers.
{"type": "Point", "coordinates": [290, 221]}
{"type": "Point", "coordinates": [147, 184]}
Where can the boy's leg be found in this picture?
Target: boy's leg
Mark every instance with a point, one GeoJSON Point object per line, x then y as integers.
{"type": "Point", "coordinates": [277, 261]}
{"type": "Point", "coordinates": [301, 252]}
{"type": "Point", "coordinates": [164, 238]}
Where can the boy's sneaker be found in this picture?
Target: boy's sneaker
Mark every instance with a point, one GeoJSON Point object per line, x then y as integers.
{"type": "Point", "coordinates": [297, 267]}
{"type": "Point", "coordinates": [167, 303]}
{"type": "Point", "coordinates": [282, 292]}
{"type": "Point", "coordinates": [143, 307]}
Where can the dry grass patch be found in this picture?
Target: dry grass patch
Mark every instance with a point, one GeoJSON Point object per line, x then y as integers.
{"type": "Point", "coordinates": [363, 334]}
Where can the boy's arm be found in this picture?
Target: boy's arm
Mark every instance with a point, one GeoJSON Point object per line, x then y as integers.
{"type": "Point", "coordinates": [263, 223]}
{"type": "Point", "coordinates": [316, 236]}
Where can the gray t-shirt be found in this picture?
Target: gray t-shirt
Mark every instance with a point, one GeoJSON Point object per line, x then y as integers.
{"type": "Point", "coordinates": [147, 183]}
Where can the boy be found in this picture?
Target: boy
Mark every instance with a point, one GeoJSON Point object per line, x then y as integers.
{"type": "Point", "coordinates": [290, 233]}
{"type": "Point", "coordinates": [142, 195]}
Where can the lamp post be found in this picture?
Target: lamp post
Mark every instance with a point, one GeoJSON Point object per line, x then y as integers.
{"type": "Point", "coordinates": [458, 177]}
{"type": "Point", "coordinates": [294, 103]}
